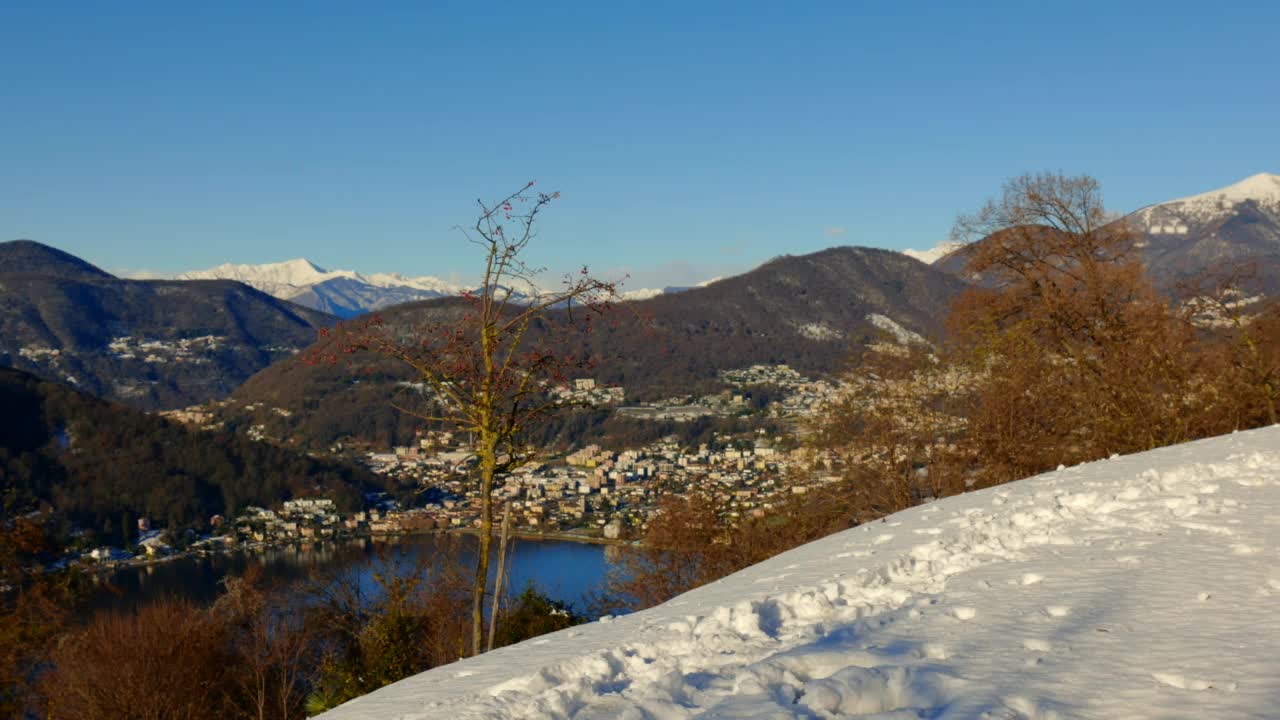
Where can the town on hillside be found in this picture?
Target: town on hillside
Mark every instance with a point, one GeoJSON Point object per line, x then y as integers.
{"type": "Point", "coordinates": [591, 493]}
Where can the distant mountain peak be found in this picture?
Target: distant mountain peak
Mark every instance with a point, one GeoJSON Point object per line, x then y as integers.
{"type": "Point", "coordinates": [341, 292]}
{"type": "Point", "coordinates": [1262, 187]}
{"type": "Point", "coordinates": [1172, 216]}
{"type": "Point", "coordinates": [153, 344]}
{"type": "Point", "coordinates": [302, 265]}
{"type": "Point", "coordinates": [935, 253]}
{"type": "Point", "coordinates": [298, 272]}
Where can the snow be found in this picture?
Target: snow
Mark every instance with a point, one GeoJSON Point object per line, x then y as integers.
{"type": "Point", "coordinates": [1263, 187]}
{"type": "Point", "coordinates": [935, 253]}
{"type": "Point", "coordinates": [641, 293]}
{"type": "Point", "coordinates": [1142, 586]}
{"type": "Point", "coordinates": [292, 278]}
{"type": "Point", "coordinates": [891, 326]}
{"type": "Point", "coordinates": [297, 272]}
{"type": "Point", "coordinates": [426, 282]}
{"type": "Point", "coordinates": [819, 331]}
{"type": "Point", "coordinates": [1171, 217]}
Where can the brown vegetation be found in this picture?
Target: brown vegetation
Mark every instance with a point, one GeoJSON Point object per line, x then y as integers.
{"type": "Point", "coordinates": [256, 653]}
{"type": "Point", "coordinates": [1066, 354]}
{"type": "Point", "coordinates": [169, 661]}
{"type": "Point", "coordinates": [687, 544]}
{"type": "Point", "coordinates": [412, 617]}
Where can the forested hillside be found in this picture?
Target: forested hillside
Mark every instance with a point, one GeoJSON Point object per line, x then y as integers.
{"type": "Point", "coordinates": [99, 466]}
{"type": "Point", "coordinates": [809, 311]}
{"type": "Point", "coordinates": [149, 343]}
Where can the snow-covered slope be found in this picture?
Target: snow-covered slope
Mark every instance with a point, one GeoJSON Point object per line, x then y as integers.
{"type": "Point", "coordinates": [1143, 586]}
{"type": "Point", "coordinates": [341, 292]}
{"type": "Point", "coordinates": [934, 253]}
{"type": "Point", "coordinates": [1178, 217]}
{"type": "Point", "coordinates": [1263, 188]}
{"type": "Point", "coordinates": [894, 328]}
{"type": "Point", "coordinates": [295, 273]}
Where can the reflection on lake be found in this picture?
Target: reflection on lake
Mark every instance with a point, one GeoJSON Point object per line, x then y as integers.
{"type": "Point", "coordinates": [564, 570]}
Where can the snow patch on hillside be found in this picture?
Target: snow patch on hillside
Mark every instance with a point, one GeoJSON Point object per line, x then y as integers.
{"type": "Point", "coordinates": [1143, 586]}
{"type": "Point", "coordinates": [891, 326]}
{"type": "Point", "coordinates": [818, 331]}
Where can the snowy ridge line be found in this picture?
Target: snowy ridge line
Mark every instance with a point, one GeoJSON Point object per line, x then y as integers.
{"type": "Point", "coordinates": [945, 610]}
{"type": "Point", "coordinates": [1172, 216]}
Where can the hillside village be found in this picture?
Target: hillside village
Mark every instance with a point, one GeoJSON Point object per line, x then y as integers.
{"type": "Point", "coordinates": [610, 493]}
{"type": "Point", "coordinates": [593, 493]}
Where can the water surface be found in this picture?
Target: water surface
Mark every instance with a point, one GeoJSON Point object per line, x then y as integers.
{"type": "Point", "coordinates": [564, 570]}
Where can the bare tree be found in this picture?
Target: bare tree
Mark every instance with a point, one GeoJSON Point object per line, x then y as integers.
{"type": "Point", "coordinates": [1082, 356]}
{"type": "Point", "coordinates": [487, 370]}
{"type": "Point", "coordinates": [273, 650]}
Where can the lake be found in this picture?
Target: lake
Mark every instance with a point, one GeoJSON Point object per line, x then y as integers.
{"type": "Point", "coordinates": [564, 570]}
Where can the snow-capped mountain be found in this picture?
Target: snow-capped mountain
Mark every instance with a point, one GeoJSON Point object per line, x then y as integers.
{"type": "Point", "coordinates": [1178, 217]}
{"type": "Point", "coordinates": [347, 293]}
{"type": "Point", "coordinates": [344, 293]}
{"type": "Point", "coordinates": [1141, 586]}
{"type": "Point", "coordinates": [1216, 231]}
{"type": "Point", "coordinates": [934, 253]}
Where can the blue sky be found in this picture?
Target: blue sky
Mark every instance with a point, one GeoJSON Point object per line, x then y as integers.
{"type": "Point", "coordinates": [688, 139]}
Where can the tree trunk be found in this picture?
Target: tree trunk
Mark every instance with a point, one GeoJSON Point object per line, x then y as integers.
{"type": "Point", "coordinates": [502, 568]}
{"type": "Point", "coordinates": [488, 466]}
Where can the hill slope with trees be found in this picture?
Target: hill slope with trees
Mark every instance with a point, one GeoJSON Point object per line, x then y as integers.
{"type": "Point", "coordinates": [809, 311]}
{"type": "Point", "coordinates": [98, 466]}
{"type": "Point", "coordinates": [155, 344]}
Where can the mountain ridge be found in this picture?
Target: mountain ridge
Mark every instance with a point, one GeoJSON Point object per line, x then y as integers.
{"type": "Point", "coordinates": [808, 311]}
{"type": "Point", "coordinates": [30, 257]}
{"type": "Point", "coordinates": [345, 293]}
{"type": "Point", "coordinates": [155, 344]}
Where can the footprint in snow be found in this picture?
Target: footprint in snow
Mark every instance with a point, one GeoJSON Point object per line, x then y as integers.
{"type": "Point", "coordinates": [1185, 683]}
{"type": "Point", "coordinates": [931, 651]}
{"type": "Point", "coordinates": [855, 554]}
{"type": "Point", "coordinates": [773, 578]}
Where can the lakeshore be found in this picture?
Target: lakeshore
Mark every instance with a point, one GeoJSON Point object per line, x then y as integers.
{"type": "Point", "coordinates": [565, 569]}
